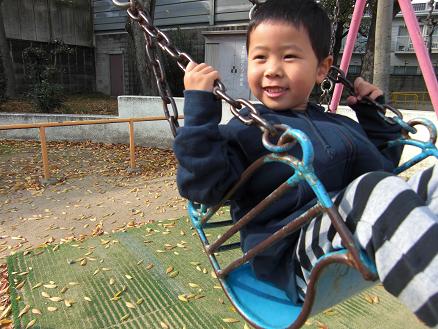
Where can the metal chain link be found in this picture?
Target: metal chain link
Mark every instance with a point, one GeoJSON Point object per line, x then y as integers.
{"type": "Point", "coordinates": [326, 88]}
{"type": "Point", "coordinates": [255, 4]}
{"type": "Point", "coordinates": [335, 21]}
{"type": "Point", "coordinates": [327, 84]}
{"type": "Point", "coordinates": [336, 75]}
{"type": "Point", "coordinates": [153, 36]}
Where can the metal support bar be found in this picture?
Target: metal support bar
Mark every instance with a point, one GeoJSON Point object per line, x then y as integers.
{"type": "Point", "coordinates": [421, 51]}
{"type": "Point", "coordinates": [42, 132]}
{"type": "Point", "coordinates": [131, 145]}
{"type": "Point", "coordinates": [359, 8]}
{"type": "Point", "coordinates": [44, 155]}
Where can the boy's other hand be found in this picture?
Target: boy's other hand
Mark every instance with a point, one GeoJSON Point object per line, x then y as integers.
{"type": "Point", "coordinates": [200, 77]}
{"type": "Point", "coordinates": [363, 88]}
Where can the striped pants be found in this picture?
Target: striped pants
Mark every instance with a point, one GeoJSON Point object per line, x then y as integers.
{"type": "Point", "coordinates": [396, 223]}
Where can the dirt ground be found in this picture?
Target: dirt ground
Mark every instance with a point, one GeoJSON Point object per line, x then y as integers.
{"type": "Point", "coordinates": [95, 192]}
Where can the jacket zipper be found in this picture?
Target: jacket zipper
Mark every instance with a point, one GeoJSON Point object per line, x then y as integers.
{"type": "Point", "coordinates": [327, 147]}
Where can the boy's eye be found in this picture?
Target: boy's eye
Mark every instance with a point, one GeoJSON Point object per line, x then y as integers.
{"type": "Point", "coordinates": [259, 57]}
{"type": "Point", "coordinates": [290, 56]}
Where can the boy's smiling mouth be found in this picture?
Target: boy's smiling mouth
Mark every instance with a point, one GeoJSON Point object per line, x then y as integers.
{"type": "Point", "coordinates": [274, 91]}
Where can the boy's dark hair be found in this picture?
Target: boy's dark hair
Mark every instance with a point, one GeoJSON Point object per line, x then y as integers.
{"type": "Point", "coordinates": [305, 14]}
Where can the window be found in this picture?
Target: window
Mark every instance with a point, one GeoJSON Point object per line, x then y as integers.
{"type": "Point", "coordinates": [354, 69]}
{"type": "Point", "coordinates": [405, 70]}
{"type": "Point", "coordinates": [411, 70]}
{"type": "Point", "coordinates": [419, 6]}
{"type": "Point", "coordinates": [402, 31]}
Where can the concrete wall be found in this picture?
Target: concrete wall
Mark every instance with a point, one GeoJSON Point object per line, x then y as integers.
{"type": "Point", "coordinates": [156, 134]}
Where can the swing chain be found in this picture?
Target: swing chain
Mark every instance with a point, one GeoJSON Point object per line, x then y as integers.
{"type": "Point", "coordinates": [153, 36]}
{"type": "Point", "coordinates": [336, 75]}
{"type": "Point", "coordinates": [123, 5]}
{"type": "Point", "coordinates": [255, 4]}
{"type": "Point", "coordinates": [335, 22]}
{"type": "Point", "coordinates": [326, 88]}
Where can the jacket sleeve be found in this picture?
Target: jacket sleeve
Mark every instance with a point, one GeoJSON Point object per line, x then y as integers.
{"type": "Point", "coordinates": [378, 130]}
{"type": "Point", "coordinates": [208, 163]}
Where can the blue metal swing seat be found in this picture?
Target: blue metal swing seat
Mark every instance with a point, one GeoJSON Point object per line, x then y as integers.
{"type": "Point", "coordinates": [336, 276]}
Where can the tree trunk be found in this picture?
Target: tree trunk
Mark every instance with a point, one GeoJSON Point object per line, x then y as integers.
{"type": "Point", "coordinates": [367, 60]}
{"type": "Point", "coordinates": [145, 73]}
{"type": "Point", "coordinates": [6, 59]}
{"type": "Point", "coordinates": [430, 23]}
{"type": "Point", "coordinates": [382, 48]}
{"type": "Point", "coordinates": [339, 35]}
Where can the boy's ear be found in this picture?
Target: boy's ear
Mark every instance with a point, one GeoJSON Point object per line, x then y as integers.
{"type": "Point", "coordinates": [323, 68]}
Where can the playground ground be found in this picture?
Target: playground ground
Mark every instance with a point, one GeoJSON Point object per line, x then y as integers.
{"type": "Point", "coordinates": [95, 195]}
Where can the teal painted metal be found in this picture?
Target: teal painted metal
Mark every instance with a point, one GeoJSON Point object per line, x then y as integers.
{"type": "Point", "coordinates": [428, 148]}
{"type": "Point", "coordinates": [303, 169]}
{"type": "Point", "coordinates": [338, 282]}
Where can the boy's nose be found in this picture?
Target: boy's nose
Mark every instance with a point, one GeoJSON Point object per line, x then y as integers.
{"type": "Point", "coordinates": [273, 70]}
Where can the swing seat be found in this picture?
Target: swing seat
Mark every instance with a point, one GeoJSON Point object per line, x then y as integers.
{"type": "Point", "coordinates": [264, 305]}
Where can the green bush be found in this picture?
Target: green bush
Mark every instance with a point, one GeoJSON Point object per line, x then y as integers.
{"type": "Point", "coordinates": [42, 69]}
{"type": "Point", "coordinates": [47, 96]}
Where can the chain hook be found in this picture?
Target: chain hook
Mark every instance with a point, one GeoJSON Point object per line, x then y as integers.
{"type": "Point", "coordinates": [124, 5]}
{"type": "Point", "coordinates": [255, 4]}
{"type": "Point", "coordinates": [326, 88]}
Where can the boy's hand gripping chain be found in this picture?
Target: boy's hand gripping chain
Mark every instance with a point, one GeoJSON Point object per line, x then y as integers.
{"type": "Point", "coordinates": [153, 36]}
{"type": "Point", "coordinates": [336, 75]}
{"type": "Point", "coordinates": [428, 148]}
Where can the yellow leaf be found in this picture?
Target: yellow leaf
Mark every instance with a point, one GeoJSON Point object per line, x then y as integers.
{"type": "Point", "coordinates": [30, 324]}
{"type": "Point", "coordinates": [24, 311]}
{"type": "Point", "coordinates": [230, 320]}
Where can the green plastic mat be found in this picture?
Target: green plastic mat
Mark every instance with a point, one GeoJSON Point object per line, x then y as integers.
{"type": "Point", "coordinates": [154, 276]}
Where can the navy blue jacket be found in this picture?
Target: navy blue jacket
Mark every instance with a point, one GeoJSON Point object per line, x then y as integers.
{"type": "Point", "coordinates": [212, 157]}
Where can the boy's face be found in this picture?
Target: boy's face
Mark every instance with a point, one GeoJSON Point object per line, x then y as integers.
{"type": "Point", "coordinates": [282, 66]}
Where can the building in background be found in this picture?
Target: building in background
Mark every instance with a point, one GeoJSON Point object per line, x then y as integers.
{"type": "Point", "coordinates": [209, 30]}
{"type": "Point", "coordinates": [39, 23]}
{"type": "Point", "coordinates": [216, 31]}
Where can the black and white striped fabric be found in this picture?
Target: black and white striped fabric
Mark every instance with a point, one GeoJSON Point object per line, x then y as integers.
{"type": "Point", "coordinates": [396, 223]}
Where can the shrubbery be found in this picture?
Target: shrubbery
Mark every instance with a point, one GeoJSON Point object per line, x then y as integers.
{"type": "Point", "coordinates": [42, 69]}
{"type": "Point", "coordinates": [47, 96]}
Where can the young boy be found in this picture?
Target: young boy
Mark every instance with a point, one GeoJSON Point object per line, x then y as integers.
{"type": "Point", "coordinates": [393, 221]}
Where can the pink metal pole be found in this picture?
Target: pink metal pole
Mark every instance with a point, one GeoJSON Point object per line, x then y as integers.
{"type": "Point", "coordinates": [359, 8]}
{"type": "Point", "coordinates": [421, 51]}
